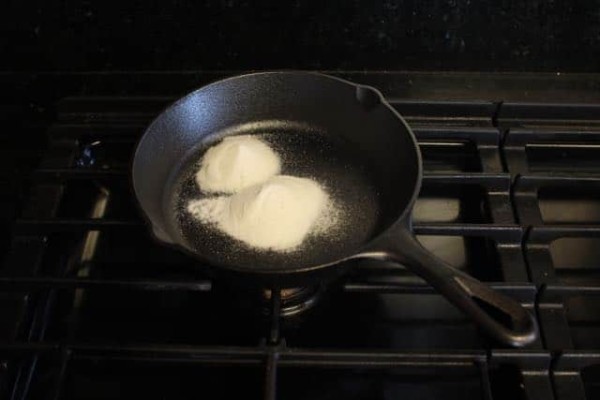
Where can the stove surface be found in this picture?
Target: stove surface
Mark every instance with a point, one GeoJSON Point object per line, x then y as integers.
{"type": "Point", "coordinates": [92, 307]}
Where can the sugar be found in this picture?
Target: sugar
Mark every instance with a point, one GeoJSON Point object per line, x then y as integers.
{"type": "Point", "coordinates": [235, 163]}
{"type": "Point", "coordinates": [275, 215]}
{"type": "Point", "coordinates": [254, 204]}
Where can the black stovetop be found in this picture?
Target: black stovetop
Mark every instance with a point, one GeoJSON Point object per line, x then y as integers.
{"type": "Point", "coordinates": [91, 307]}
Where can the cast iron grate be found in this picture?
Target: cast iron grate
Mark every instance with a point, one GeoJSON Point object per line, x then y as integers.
{"type": "Point", "coordinates": [93, 308]}
{"type": "Point", "coordinates": [553, 152]}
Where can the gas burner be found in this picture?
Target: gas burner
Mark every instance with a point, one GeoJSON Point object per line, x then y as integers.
{"type": "Point", "coordinates": [295, 301]}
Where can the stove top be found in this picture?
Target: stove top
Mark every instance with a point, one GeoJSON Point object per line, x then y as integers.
{"type": "Point", "coordinates": [91, 307]}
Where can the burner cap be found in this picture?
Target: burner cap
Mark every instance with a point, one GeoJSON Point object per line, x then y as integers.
{"type": "Point", "coordinates": [294, 301]}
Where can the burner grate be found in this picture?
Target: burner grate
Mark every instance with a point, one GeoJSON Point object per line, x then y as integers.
{"type": "Point", "coordinates": [83, 319]}
{"type": "Point", "coordinates": [554, 151]}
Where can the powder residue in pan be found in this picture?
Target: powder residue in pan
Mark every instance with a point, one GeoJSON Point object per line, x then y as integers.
{"type": "Point", "coordinates": [276, 214]}
{"type": "Point", "coordinates": [335, 165]}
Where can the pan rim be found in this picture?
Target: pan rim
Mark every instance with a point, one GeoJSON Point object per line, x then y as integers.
{"type": "Point", "coordinates": [403, 217]}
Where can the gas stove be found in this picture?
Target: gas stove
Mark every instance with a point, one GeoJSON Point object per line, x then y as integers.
{"type": "Point", "coordinates": [92, 307]}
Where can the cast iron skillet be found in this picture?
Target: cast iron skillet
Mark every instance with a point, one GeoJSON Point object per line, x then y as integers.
{"type": "Point", "coordinates": [340, 133]}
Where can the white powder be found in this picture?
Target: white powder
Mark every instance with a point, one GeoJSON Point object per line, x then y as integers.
{"type": "Point", "coordinates": [262, 209]}
{"type": "Point", "coordinates": [236, 163]}
{"type": "Point", "coordinates": [277, 214]}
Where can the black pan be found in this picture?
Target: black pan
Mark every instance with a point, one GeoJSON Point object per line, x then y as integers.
{"type": "Point", "coordinates": [342, 134]}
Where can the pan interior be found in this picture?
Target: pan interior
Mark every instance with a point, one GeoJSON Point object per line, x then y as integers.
{"type": "Point", "coordinates": [346, 173]}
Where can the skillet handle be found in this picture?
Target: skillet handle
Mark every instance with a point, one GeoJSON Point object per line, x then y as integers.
{"type": "Point", "coordinates": [499, 315]}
